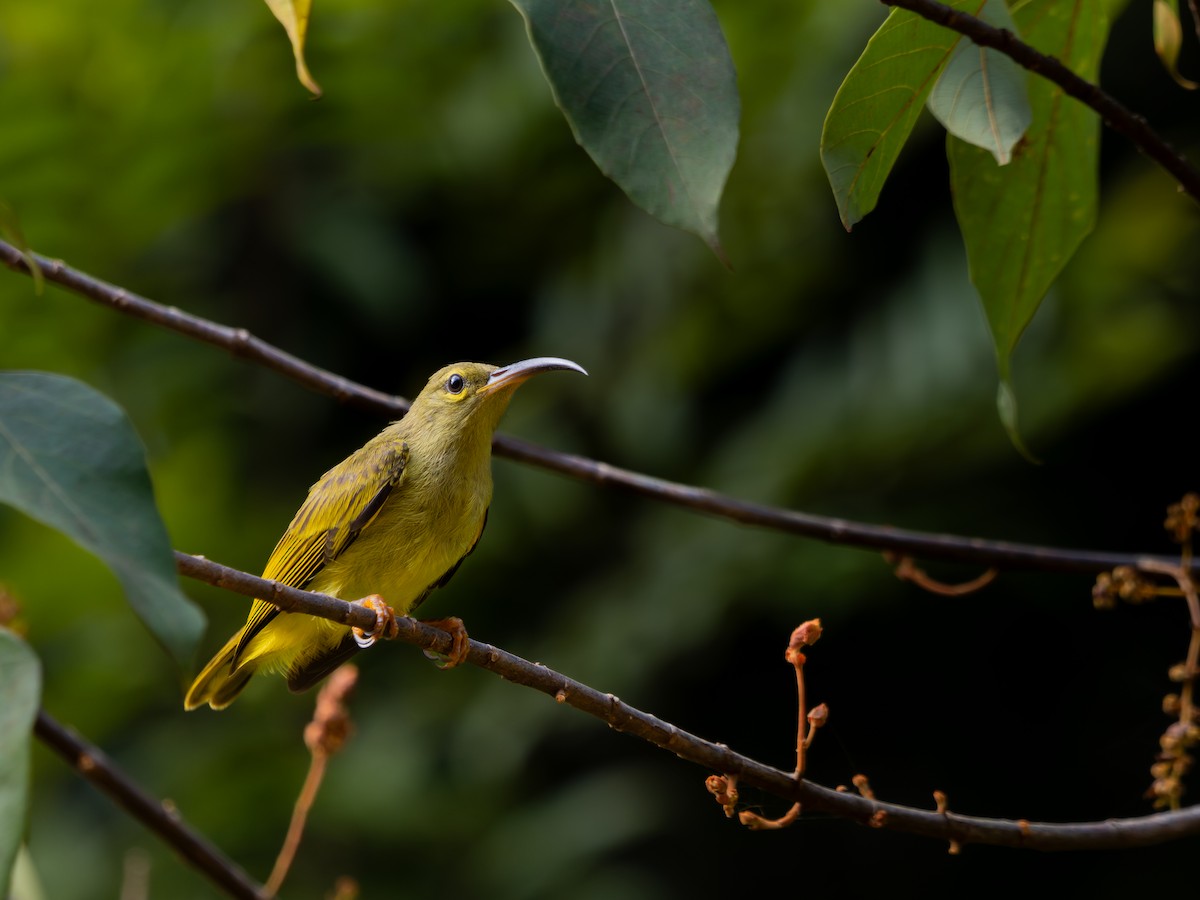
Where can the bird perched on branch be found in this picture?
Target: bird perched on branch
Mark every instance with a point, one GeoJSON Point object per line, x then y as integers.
{"type": "Point", "coordinates": [385, 526]}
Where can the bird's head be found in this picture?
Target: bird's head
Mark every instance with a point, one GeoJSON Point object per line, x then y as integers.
{"type": "Point", "coordinates": [473, 396]}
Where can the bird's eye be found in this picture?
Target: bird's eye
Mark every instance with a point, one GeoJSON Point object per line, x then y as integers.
{"type": "Point", "coordinates": [455, 383]}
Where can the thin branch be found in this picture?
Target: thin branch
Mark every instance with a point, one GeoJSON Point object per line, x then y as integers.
{"type": "Point", "coordinates": [161, 818]}
{"type": "Point", "coordinates": [324, 736]}
{"type": "Point", "coordinates": [1114, 113]}
{"type": "Point", "coordinates": [1110, 834]}
{"type": "Point", "coordinates": [907, 570]}
{"type": "Point", "coordinates": [805, 635]}
{"type": "Point", "coordinates": [238, 341]}
{"type": "Point", "coordinates": [241, 343]}
{"type": "Point", "coordinates": [289, 599]}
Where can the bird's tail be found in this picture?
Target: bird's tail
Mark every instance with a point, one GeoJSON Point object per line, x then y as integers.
{"type": "Point", "coordinates": [219, 683]}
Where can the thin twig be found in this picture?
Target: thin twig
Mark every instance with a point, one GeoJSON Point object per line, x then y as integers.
{"type": "Point", "coordinates": [287, 598]}
{"type": "Point", "coordinates": [1115, 114]}
{"type": "Point", "coordinates": [161, 818]}
{"type": "Point", "coordinates": [241, 343]}
{"type": "Point", "coordinates": [805, 635]}
{"type": "Point", "coordinates": [291, 843]}
{"type": "Point", "coordinates": [1110, 834]}
{"type": "Point", "coordinates": [324, 736]}
{"type": "Point", "coordinates": [1174, 761]}
{"type": "Point", "coordinates": [1187, 587]}
{"type": "Point", "coordinates": [907, 570]}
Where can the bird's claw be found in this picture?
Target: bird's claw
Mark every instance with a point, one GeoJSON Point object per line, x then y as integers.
{"type": "Point", "coordinates": [385, 622]}
{"type": "Point", "coordinates": [460, 642]}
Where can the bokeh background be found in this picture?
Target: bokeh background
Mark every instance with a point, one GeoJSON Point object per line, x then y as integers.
{"type": "Point", "coordinates": [433, 206]}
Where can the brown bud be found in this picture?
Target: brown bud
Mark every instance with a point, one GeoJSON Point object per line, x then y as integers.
{"type": "Point", "coordinates": [1160, 770]}
{"type": "Point", "coordinates": [942, 801]}
{"type": "Point", "coordinates": [1166, 788]}
{"type": "Point", "coordinates": [1103, 596]}
{"type": "Point", "coordinates": [1181, 517]}
{"type": "Point", "coordinates": [1171, 704]}
{"type": "Point", "coordinates": [795, 657]}
{"type": "Point", "coordinates": [818, 716]}
{"type": "Point", "coordinates": [863, 785]}
{"type": "Point", "coordinates": [806, 635]}
{"type": "Point", "coordinates": [1178, 672]}
{"type": "Point", "coordinates": [331, 726]}
{"type": "Point", "coordinates": [724, 790]}
{"type": "Point", "coordinates": [1171, 742]}
{"type": "Point", "coordinates": [1131, 586]}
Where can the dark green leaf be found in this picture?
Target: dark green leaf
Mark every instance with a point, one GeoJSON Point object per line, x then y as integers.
{"type": "Point", "coordinates": [981, 95]}
{"type": "Point", "coordinates": [1022, 223]}
{"type": "Point", "coordinates": [70, 459]}
{"type": "Point", "coordinates": [878, 103]}
{"type": "Point", "coordinates": [650, 92]}
{"type": "Point", "coordinates": [20, 692]}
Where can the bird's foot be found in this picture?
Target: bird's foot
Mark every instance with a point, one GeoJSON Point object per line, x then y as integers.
{"type": "Point", "coordinates": [385, 622]}
{"type": "Point", "coordinates": [460, 643]}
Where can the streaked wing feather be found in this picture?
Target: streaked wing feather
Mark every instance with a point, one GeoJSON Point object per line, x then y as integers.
{"type": "Point", "coordinates": [349, 496]}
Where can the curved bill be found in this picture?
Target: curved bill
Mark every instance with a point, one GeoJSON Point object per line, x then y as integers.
{"type": "Point", "coordinates": [515, 374]}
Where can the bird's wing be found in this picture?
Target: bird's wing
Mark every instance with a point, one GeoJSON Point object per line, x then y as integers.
{"type": "Point", "coordinates": [339, 506]}
{"type": "Point", "coordinates": [301, 677]}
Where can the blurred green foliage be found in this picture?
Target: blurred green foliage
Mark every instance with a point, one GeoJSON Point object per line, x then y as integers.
{"type": "Point", "coordinates": [433, 206]}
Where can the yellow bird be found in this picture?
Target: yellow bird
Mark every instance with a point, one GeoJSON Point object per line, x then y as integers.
{"type": "Point", "coordinates": [395, 518]}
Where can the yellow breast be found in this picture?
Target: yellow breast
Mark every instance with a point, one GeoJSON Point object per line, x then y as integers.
{"type": "Point", "coordinates": [417, 538]}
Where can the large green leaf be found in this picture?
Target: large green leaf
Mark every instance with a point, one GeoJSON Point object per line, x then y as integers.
{"type": "Point", "coordinates": [878, 103]}
{"type": "Point", "coordinates": [650, 92]}
{"type": "Point", "coordinates": [70, 458]}
{"type": "Point", "coordinates": [981, 95]}
{"type": "Point", "coordinates": [20, 691]}
{"type": "Point", "coordinates": [1022, 223]}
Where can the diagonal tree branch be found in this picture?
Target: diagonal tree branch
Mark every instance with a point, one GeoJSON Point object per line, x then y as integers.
{"type": "Point", "coordinates": [1110, 834]}
{"type": "Point", "coordinates": [1115, 114]}
{"type": "Point", "coordinates": [239, 342]}
{"type": "Point", "coordinates": [91, 763]}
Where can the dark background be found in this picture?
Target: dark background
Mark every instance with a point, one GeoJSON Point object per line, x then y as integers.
{"type": "Point", "coordinates": [433, 206]}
